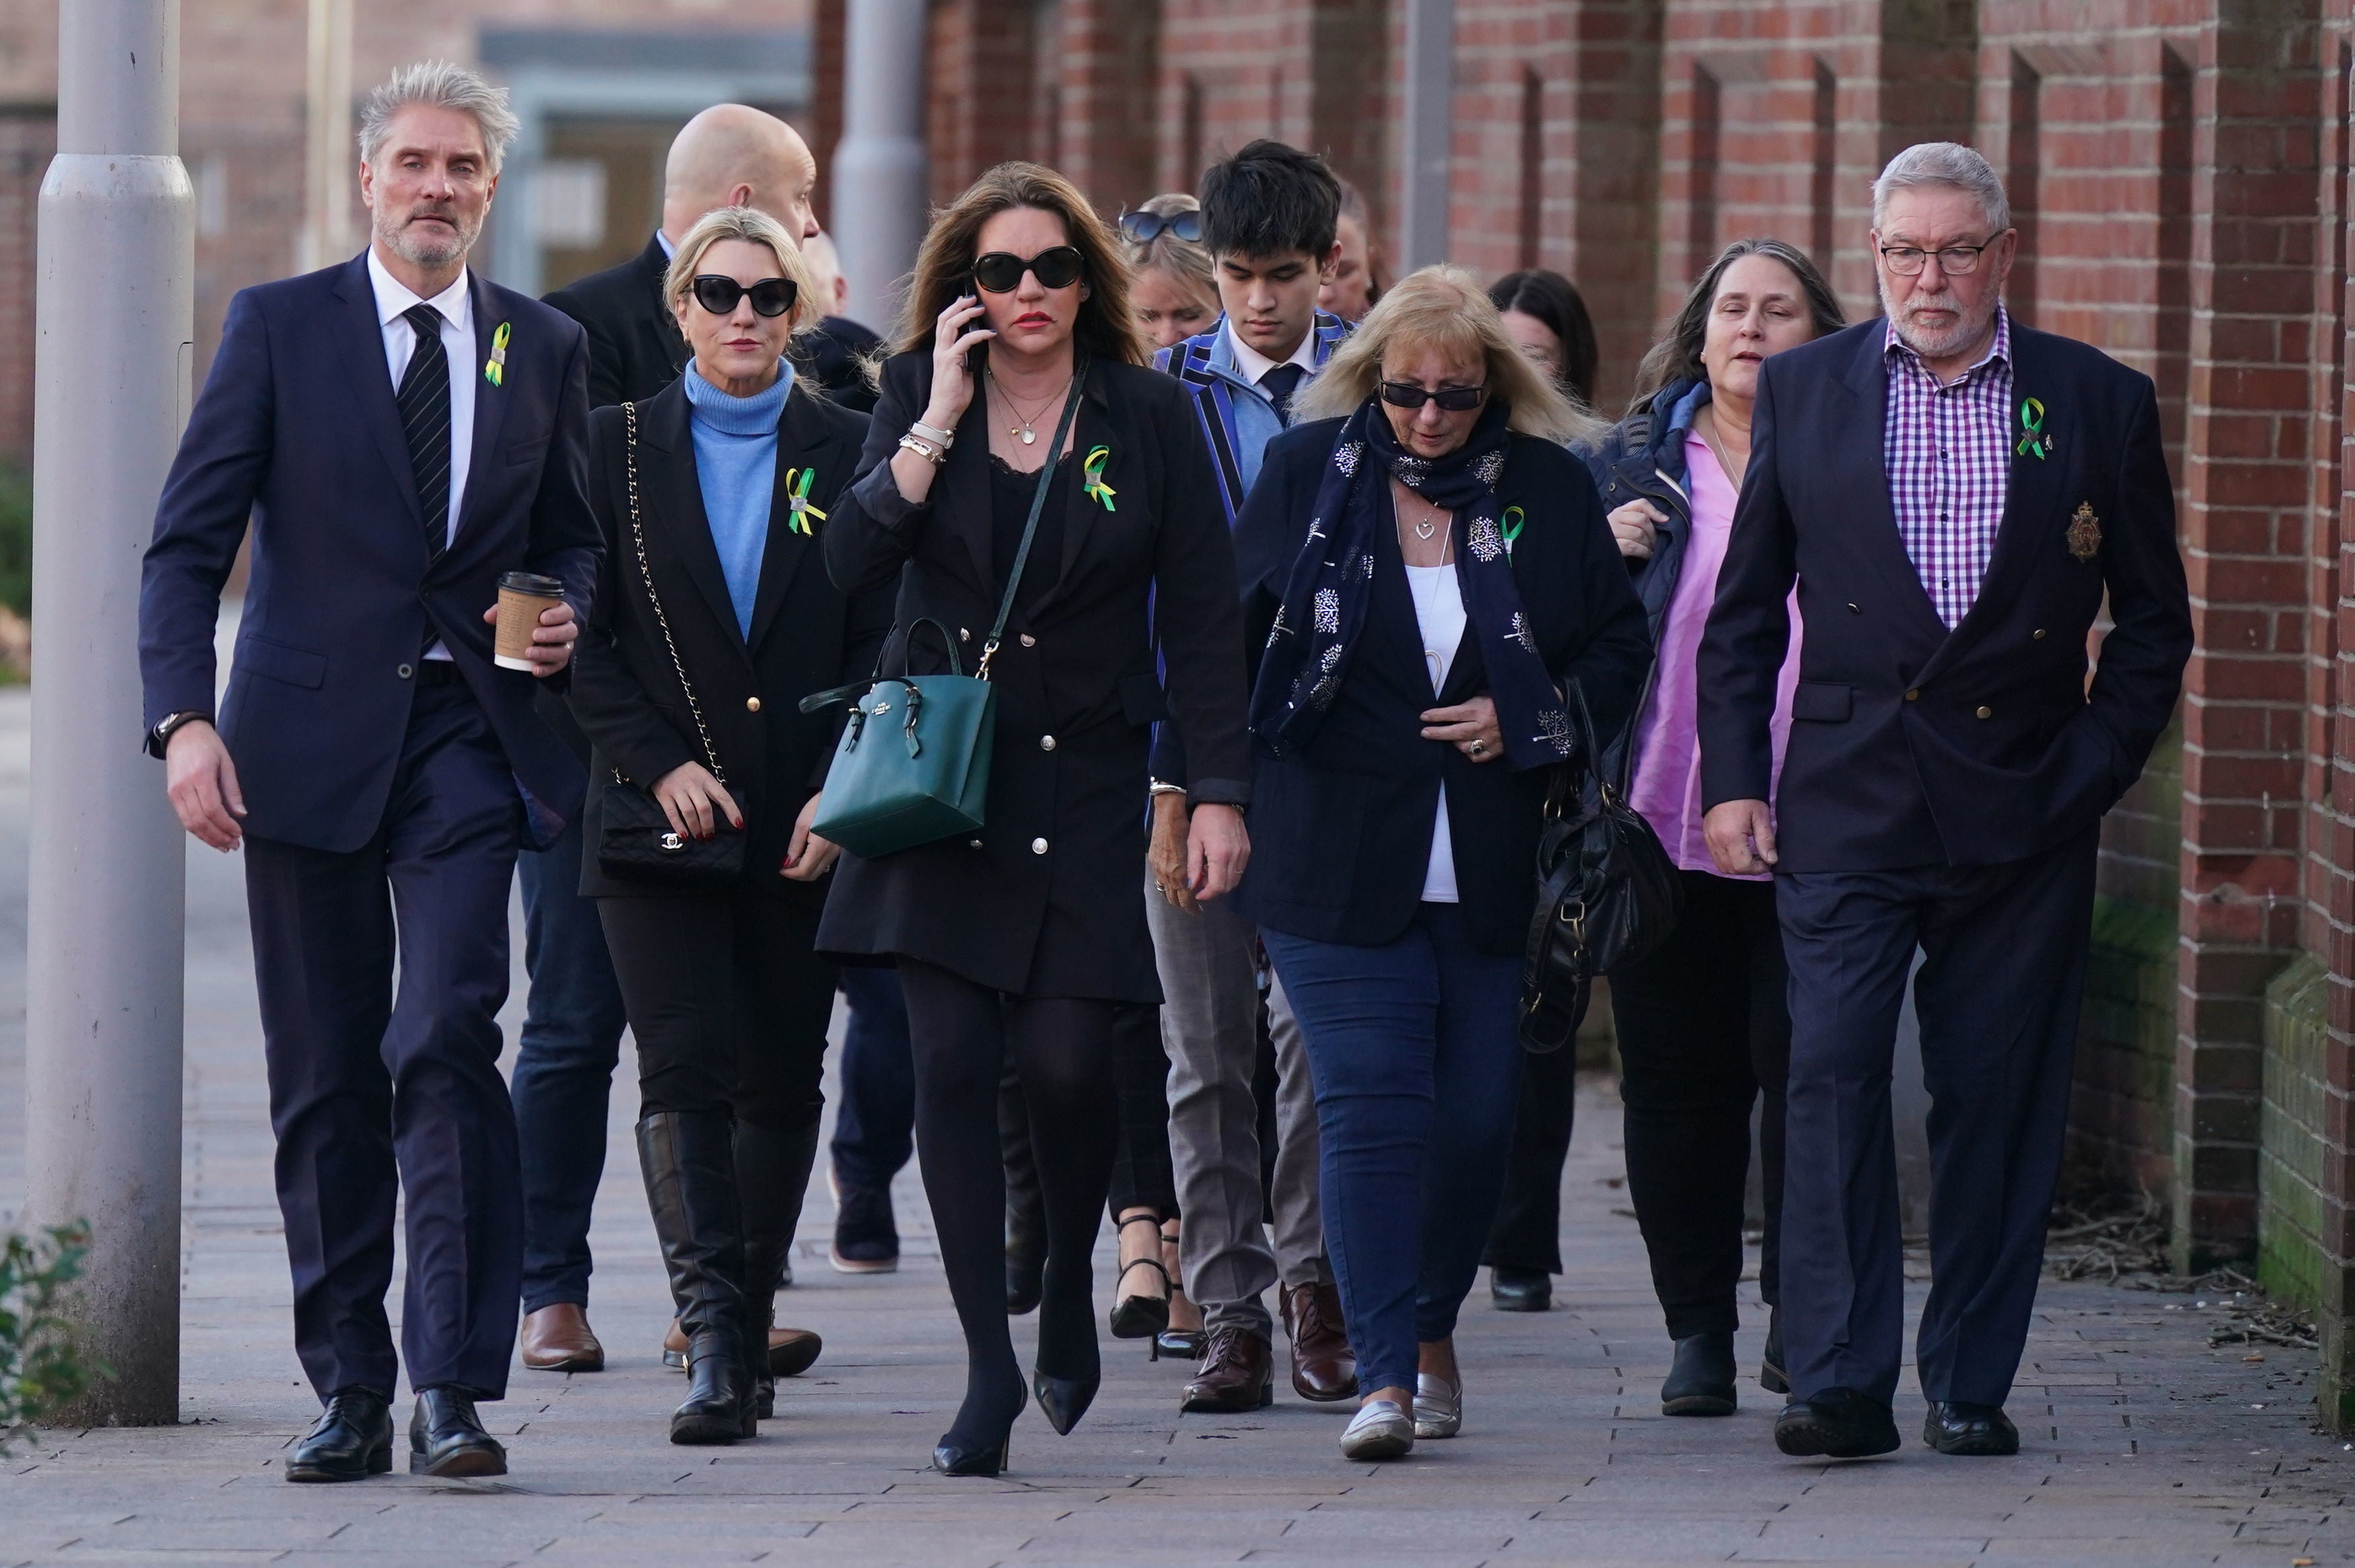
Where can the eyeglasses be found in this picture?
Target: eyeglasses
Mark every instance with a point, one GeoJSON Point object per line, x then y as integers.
{"type": "Point", "coordinates": [1954, 261]}
{"type": "Point", "coordinates": [771, 297]}
{"type": "Point", "coordinates": [1144, 227]}
{"type": "Point", "coordinates": [1454, 399]}
{"type": "Point", "coordinates": [1000, 272]}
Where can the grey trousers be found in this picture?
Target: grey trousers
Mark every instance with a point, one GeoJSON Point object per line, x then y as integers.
{"type": "Point", "coordinates": [1210, 1022]}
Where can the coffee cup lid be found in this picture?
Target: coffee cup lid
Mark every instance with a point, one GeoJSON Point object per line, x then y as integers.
{"type": "Point", "coordinates": [532, 583]}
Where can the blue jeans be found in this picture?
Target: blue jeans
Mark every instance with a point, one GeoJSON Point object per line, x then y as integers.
{"type": "Point", "coordinates": [875, 1118]}
{"type": "Point", "coordinates": [1414, 1051]}
{"type": "Point", "coordinates": [571, 1037]}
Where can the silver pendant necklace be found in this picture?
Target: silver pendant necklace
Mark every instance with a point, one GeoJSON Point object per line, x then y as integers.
{"type": "Point", "coordinates": [1023, 430]}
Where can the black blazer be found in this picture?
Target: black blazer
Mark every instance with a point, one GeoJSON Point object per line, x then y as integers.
{"type": "Point", "coordinates": [1341, 831]}
{"type": "Point", "coordinates": [1910, 745]}
{"type": "Point", "coordinates": [634, 346]}
{"type": "Point", "coordinates": [1077, 692]}
{"type": "Point", "coordinates": [807, 636]}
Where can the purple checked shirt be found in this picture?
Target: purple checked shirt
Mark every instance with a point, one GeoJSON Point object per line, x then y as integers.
{"type": "Point", "coordinates": [1948, 451]}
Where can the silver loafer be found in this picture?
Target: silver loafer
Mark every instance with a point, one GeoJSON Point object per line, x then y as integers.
{"type": "Point", "coordinates": [1438, 1407]}
{"type": "Point", "coordinates": [1380, 1430]}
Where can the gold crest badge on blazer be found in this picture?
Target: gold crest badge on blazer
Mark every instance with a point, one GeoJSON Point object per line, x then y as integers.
{"type": "Point", "coordinates": [2084, 533]}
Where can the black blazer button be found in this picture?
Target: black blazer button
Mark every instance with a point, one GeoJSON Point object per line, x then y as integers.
{"type": "Point", "coordinates": [1987, 712]}
{"type": "Point", "coordinates": [751, 705]}
{"type": "Point", "coordinates": [404, 670]}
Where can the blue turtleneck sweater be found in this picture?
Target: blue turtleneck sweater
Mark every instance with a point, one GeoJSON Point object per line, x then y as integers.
{"type": "Point", "coordinates": [736, 465]}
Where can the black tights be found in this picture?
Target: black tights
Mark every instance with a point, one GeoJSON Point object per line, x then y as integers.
{"type": "Point", "coordinates": [1061, 1049]}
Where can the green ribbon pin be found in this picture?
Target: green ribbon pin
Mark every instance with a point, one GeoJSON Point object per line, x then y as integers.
{"type": "Point", "coordinates": [797, 488]}
{"type": "Point", "coordinates": [1093, 471]}
{"type": "Point", "coordinates": [495, 369]}
{"type": "Point", "coordinates": [1514, 521]}
{"type": "Point", "coordinates": [2033, 441]}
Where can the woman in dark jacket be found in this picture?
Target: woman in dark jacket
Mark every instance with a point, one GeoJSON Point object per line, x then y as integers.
{"type": "Point", "coordinates": [1703, 1028]}
{"type": "Point", "coordinates": [724, 478]}
{"type": "Point", "coordinates": [1026, 935]}
{"type": "Point", "coordinates": [1434, 578]}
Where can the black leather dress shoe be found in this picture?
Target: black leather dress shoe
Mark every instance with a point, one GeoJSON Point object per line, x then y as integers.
{"type": "Point", "coordinates": [1837, 1424]}
{"type": "Point", "coordinates": [1519, 1290]}
{"type": "Point", "coordinates": [1700, 1380]}
{"type": "Point", "coordinates": [351, 1441]}
{"type": "Point", "coordinates": [446, 1438]}
{"type": "Point", "coordinates": [1771, 1375]}
{"type": "Point", "coordinates": [1957, 1426]}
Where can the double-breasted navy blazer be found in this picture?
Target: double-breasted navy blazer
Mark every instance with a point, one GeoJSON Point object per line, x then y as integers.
{"type": "Point", "coordinates": [296, 430]}
{"type": "Point", "coordinates": [1341, 831]}
{"type": "Point", "coordinates": [1912, 745]}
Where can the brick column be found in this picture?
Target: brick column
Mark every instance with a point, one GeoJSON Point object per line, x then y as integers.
{"type": "Point", "coordinates": [1105, 54]}
{"type": "Point", "coordinates": [2244, 523]}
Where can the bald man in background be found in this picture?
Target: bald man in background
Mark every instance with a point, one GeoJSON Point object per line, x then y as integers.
{"type": "Point", "coordinates": [729, 155]}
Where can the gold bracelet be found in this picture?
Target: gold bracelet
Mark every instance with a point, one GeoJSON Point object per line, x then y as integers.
{"type": "Point", "coordinates": [923, 449]}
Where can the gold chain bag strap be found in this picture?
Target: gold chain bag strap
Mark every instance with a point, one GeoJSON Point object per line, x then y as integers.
{"type": "Point", "coordinates": [636, 840]}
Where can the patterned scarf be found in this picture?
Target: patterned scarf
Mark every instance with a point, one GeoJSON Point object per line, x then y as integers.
{"type": "Point", "coordinates": [1332, 582]}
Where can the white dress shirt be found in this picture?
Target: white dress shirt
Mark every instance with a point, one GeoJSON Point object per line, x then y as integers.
{"type": "Point", "coordinates": [1439, 616]}
{"type": "Point", "coordinates": [1256, 366]}
{"type": "Point", "coordinates": [454, 303]}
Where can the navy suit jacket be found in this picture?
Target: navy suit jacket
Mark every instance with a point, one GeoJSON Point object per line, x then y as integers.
{"type": "Point", "coordinates": [1912, 745]}
{"type": "Point", "coordinates": [296, 429]}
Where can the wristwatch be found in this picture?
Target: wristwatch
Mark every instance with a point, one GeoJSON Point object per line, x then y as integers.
{"type": "Point", "coordinates": [160, 737]}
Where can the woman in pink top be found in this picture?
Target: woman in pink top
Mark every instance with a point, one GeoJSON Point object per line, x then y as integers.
{"type": "Point", "coordinates": [1702, 1024]}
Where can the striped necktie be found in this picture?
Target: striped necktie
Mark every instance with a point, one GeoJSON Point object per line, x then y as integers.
{"type": "Point", "coordinates": [1280, 383]}
{"type": "Point", "coordinates": [424, 401]}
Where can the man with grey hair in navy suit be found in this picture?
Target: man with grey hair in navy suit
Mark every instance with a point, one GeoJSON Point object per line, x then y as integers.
{"type": "Point", "coordinates": [401, 436]}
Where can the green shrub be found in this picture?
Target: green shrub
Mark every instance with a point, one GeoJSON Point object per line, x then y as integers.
{"type": "Point", "coordinates": [16, 537]}
{"type": "Point", "coordinates": [42, 1368]}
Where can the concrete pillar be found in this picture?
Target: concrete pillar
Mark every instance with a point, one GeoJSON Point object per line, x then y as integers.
{"type": "Point", "coordinates": [1427, 153]}
{"type": "Point", "coordinates": [879, 200]}
{"type": "Point", "coordinates": [113, 354]}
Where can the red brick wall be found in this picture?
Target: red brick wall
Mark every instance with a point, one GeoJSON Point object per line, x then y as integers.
{"type": "Point", "coordinates": [28, 141]}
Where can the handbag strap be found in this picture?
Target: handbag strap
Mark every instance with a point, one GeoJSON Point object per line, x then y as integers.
{"type": "Point", "coordinates": [646, 576]}
{"type": "Point", "coordinates": [1038, 505]}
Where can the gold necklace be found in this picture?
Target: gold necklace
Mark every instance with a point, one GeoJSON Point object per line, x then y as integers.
{"type": "Point", "coordinates": [1026, 428]}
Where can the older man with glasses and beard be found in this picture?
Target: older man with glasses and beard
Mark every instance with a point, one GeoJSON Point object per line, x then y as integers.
{"type": "Point", "coordinates": [1955, 495]}
{"type": "Point", "coordinates": [402, 437]}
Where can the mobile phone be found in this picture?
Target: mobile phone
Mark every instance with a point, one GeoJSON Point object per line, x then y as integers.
{"type": "Point", "coordinates": [977, 356]}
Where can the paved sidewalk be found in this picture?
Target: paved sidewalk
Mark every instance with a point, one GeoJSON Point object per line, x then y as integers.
{"type": "Point", "coordinates": [2142, 1445]}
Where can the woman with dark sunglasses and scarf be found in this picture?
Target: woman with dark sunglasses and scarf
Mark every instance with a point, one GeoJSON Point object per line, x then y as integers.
{"type": "Point", "coordinates": [1432, 578]}
{"type": "Point", "coordinates": [1026, 938]}
{"type": "Point", "coordinates": [713, 619]}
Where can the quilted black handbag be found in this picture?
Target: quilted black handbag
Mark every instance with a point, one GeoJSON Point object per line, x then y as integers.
{"type": "Point", "coordinates": [1607, 893]}
{"type": "Point", "coordinates": [637, 841]}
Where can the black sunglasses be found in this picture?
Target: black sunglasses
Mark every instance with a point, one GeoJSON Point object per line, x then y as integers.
{"type": "Point", "coordinates": [1001, 271]}
{"type": "Point", "coordinates": [1144, 227]}
{"type": "Point", "coordinates": [771, 296]}
{"type": "Point", "coordinates": [1454, 399]}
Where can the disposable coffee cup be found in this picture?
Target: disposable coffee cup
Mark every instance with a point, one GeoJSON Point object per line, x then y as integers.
{"type": "Point", "coordinates": [522, 597]}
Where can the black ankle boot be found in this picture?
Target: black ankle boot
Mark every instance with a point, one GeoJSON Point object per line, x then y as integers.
{"type": "Point", "coordinates": [690, 1160]}
{"type": "Point", "coordinates": [1700, 1381]}
{"type": "Point", "coordinates": [772, 1171]}
{"type": "Point", "coordinates": [1771, 1375]}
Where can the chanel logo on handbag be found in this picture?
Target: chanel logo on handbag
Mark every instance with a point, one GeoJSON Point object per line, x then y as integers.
{"type": "Point", "coordinates": [672, 842]}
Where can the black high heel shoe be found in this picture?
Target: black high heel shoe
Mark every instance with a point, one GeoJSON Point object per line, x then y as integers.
{"type": "Point", "coordinates": [1064, 1399]}
{"type": "Point", "coordinates": [1141, 1317]}
{"type": "Point", "coordinates": [976, 1445]}
{"type": "Point", "coordinates": [1177, 1345]}
{"type": "Point", "coordinates": [950, 1460]}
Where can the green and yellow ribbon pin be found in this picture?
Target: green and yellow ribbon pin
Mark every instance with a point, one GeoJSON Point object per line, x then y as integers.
{"type": "Point", "coordinates": [2033, 441]}
{"type": "Point", "coordinates": [797, 488]}
{"type": "Point", "coordinates": [495, 369]}
{"type": "Point", "coordinates": [1093, 471]}
{"type": "Point", "coordinates": [1515, 521]}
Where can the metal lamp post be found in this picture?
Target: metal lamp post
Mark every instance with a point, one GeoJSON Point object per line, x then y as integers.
{"type": "Point", "coordinates": [104, 970]}
{"type": "Point", "coordinates": [880, 165]}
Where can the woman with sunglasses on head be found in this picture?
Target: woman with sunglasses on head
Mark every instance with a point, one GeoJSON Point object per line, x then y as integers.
{"type": "Point", "coordinates": [1027, 936]}
{"type": "Point", "coordinates": [713, 619]}
{"type": "Point", "coordinates": [1437, 595]}
{"type": "Point", "coordinates": [1171, 282]}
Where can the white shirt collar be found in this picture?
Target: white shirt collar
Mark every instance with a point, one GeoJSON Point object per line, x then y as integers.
{"type": "Point", "coordinates": [1256, 366]}
{"type": "Point", "coordinates": [670, 252]}
{"type": "Point", "coordinates": [393, 297]}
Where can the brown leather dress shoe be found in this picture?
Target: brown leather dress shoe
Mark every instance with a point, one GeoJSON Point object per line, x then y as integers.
{"type": "Point", "coordinates": [1237, 1375]}
{"type": "Point", "coordinates": [1324, 1367]}
{"type": "Point", "coordinates": [558, 1338]}
{"type": "Point", "coordinates": [793, 1351]}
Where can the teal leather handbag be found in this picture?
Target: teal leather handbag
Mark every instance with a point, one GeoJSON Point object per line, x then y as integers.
{"type": "Point", "coordinates": [913, 765]}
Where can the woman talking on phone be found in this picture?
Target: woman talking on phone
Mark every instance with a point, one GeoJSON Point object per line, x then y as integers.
{"type": "Point", "coordinates": [1023, 937]}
